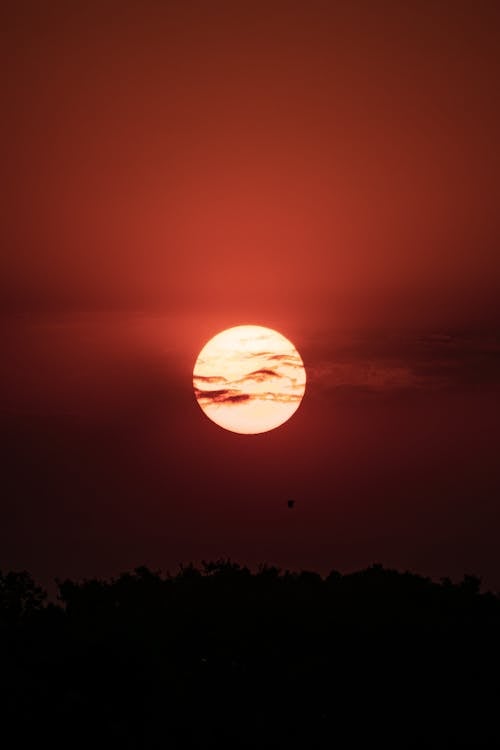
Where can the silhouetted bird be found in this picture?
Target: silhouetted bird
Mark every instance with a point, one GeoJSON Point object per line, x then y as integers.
{"type": "Point", "coordinates": [291, 503]}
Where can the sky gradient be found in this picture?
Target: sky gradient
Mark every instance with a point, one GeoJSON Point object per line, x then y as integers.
{"type": "Point", "coordinates": [330, 170]}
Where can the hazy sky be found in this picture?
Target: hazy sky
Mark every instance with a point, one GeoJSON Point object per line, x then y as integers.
{"type": "Point", "coordinates": [330, 169]}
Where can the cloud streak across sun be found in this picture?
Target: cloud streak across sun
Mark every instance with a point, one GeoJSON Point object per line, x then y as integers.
{"type": "Point", "coordinates": [249, 379]}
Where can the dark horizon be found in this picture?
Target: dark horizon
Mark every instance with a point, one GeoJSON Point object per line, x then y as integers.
{"type": "Point", "coordinates": [219, 657]}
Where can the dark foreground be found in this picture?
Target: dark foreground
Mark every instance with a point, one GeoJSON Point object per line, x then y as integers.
{"type": "Point", "coordinates": [223, 658]}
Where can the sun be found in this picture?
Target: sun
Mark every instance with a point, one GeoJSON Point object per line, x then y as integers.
{"type": "Point", "coordinates": [249, 379]}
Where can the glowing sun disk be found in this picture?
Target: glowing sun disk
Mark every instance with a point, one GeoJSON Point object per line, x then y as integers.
{"type": "Point", "coordinates": [249, 379]}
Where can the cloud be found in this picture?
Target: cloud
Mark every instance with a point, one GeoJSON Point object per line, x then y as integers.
{"type": "Point", "coordinates": [382, 362]}
{"type": "Point", "coordinates": [210, 378]}
{"type": "Point", "coordinates": [263, 374]}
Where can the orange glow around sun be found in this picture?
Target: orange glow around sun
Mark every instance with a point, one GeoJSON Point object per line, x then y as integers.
{"type": "Point", "coordinates": [249, 379]}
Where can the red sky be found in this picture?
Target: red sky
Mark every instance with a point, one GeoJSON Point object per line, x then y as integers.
{"type": "Point", "coordinates": [328, 169]}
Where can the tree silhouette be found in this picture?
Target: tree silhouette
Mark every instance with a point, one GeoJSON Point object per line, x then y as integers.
{"type": "Point", "coordinates": [20, 596]}
{"type": "Point", "coordinates": [220, 656]}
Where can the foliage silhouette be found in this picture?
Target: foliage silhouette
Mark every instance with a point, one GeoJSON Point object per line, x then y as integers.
{"type": "Point", "coordinates": [220, 656]}
{"type": "Point", "coordinates": [19, 596]}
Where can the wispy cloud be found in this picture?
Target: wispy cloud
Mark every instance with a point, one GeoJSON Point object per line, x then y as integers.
{"type": "Point", "coordinates": [382, 362]}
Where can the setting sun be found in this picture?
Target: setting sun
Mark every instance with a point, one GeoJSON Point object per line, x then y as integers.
{"type": "Point", "coordinates": [249, 379]}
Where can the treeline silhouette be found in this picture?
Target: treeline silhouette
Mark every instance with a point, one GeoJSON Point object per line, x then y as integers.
{"type": "Point", "coordinates": [218, 656]}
